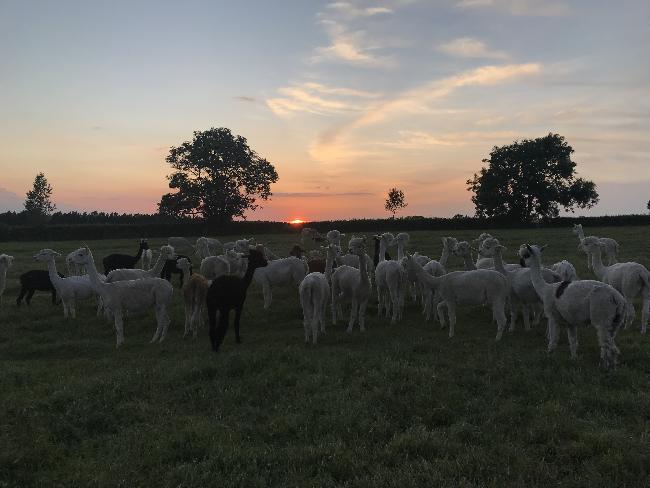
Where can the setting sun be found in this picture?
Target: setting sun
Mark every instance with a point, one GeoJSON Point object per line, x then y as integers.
{"type": "Point", "coordinates": [296, 221]}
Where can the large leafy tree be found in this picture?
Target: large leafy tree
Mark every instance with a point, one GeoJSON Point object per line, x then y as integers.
{"type": "Point", "coordinates": [530, 180]}
{"type": "Point", "coordinates": [217, 177]}
{"type": "Point", "coordinates": [37, 201]}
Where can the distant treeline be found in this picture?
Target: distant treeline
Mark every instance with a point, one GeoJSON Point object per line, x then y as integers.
{"type": "Point", "coordinates": [100, 225]}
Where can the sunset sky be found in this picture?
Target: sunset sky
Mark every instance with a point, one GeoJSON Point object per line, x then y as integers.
{"type": "Point", "coordinates": [347, 99]}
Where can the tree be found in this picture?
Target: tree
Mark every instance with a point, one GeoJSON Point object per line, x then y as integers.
{"type": "Point", "coordinates": [648, 205]}
{"type": "Point", "coordinates": [38, 201]}
{"type": "Point", "coordinates": [530, 180]}
{"type": "Point", "coordinates": [217, 177]}
{"type": "Point", "coordinates": [395, 201]}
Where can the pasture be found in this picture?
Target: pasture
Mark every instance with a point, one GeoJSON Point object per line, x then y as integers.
{"type": "Point", "coordinates": [401, 406]}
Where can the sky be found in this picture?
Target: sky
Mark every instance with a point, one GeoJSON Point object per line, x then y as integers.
{"type": "Point", "coordinates": [347, 98]}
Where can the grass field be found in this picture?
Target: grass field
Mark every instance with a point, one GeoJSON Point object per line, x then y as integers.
{"type": "Point", "coordinates": [395, 406]}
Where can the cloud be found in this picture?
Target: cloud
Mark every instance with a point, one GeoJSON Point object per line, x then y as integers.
{"type": "Point", "coordinates": [468, 47]}
{"type": "Point", "coordinates": [316, 194]}
{"type": "Point", "coordinates": [243, 98]}
{"type": "Point", "coordinates": [415, 140]}
{"type": "Point", "coordinates": [319, 99]}
{"type": "Point", "coordinates": [542, 8]}
{"type": "Point", "coordinates": [352, 11]}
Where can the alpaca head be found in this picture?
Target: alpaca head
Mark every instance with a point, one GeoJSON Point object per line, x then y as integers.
{"type": "Point", "coordinates": [529, 254]}
{"type": "Point", "coordinates": [577, 229]}
{"type": "Point", "coordinates": [296, 251]}
{"type": "Point", "coordinates": [488, 247]}
{"type": "Point", "coordinates": [334, 237]}
{"type": "Point", "coordinates": [167, 252]}
{"type": "Point", "coordinates": [462, 249]}
{"type": "Point", "coordinates": [6, 261]}
{"type": "Point", "coordinates": [46, 255]}
{"type": "Point", "coordinates": [590, 245]}
{"type": "Point", "coordinates": [256, 258]}
{"type": "Point", "coordinates": [184, 265]}
{"type": "Point", "coordinates": [449, 243]}
{"type": "Point", "coordinates": [82, 256]}
{"type": "Point", "coordinates": [357, 245]}
{"type": "Point", "coordinates": [482, 237]}
{"type": "Point", "coordinates": [402, 238]}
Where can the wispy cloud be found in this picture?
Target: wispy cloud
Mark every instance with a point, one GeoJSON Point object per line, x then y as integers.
{"type": "Point", "coordinates": [244, 98]}
{"type": "Point", "coordinates": [352, 11]}
{"type": "Point", "coordinates": [415, 140]}
{"type": "Point", "coordinates": [468, 47]}
{"type": "Point", "coordinates": [316, 98]}
{"type": "Point", "coordinates": [543, 8]}
{"type": "Point", "coordinates": [318, 194]}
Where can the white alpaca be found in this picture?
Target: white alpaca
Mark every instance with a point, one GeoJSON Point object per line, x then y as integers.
{"type": "Point", "coordinates": [214, 266]}
{"type": "Point", "coordinates": [241, 245]}
{"type": "Point", "coordinates": [70, 289]}
{"type": "Point", "coordinates": [285, 271]}
{"type": "Point", "coordinates": [195, 290]}
{"type": "Point", "coordinates": [523, 297]}
{"type": "Point", "coordinates": [390, 278]}
{"type": "Point", "coordinates": [436, 268]}
{"type": "Point", "coordinates": [206, 247]}
{"type": "Point", "coordinates": [475, 287]}
{"type": "Point", "coordinates": [180, 243]}
{"type": "Point", "coordinates": [631, 279]}
{"type": "Point", "coordinates": [576, 303]}
{"type": "Point", "coordinates": [566, 270]}
{"type": "Point", "coordinates": [481, 261]}
{"type": "Point", "coordinates": [309, 235]}
{"type": "Point", "coordinates": [610, 246]}
{"type": "Point", "coordinates": [352, 285]}
{"type": "Point", "coordinates": [166, 252]}
{"type": "Point", "coordinates": [6, 262]}
{"type": "Point", "coordinates": [334, 237]}
{"type": "Point", "coordinates": [130, 296]}
{"type": "Point", "coordinates": [314, 293]}
{"type": "Point", "coordinates": [73, 269]}
{"type": "Point", "coordinates": [352, 260]}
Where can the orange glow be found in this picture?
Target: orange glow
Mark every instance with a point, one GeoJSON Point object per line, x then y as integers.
{"type": "Point", "coordinates": [296, 221]}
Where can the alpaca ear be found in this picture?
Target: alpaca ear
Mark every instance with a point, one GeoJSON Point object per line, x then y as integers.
{"type": "Point", "coordinates": [530, 249]}
{"type": "Point", "coordinates": [543, 247]}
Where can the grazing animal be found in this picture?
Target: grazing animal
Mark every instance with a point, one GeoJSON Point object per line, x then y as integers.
{"type": "Point", "coordinates": [314, 293]}
{"type": "Point", "coordinates": [5, 263]}
{"type": "Point", "coordinates": [166, 252]}
{"type": "Point", "coordinates": [566, 270]}
{"type": "Point", "coordinates": [309, 235]}
{"type": "Point", "coordinates": [610, 246]}
{"type": "Point", "coordinates": [195, 291]}
{"type": "Point", "coordinates": [122, 297]}
{"type": "Point", "coordinates": [228, 292]}
{"type": "Point", "coordinates": [630, 279]}
{"type": "Point", "coordinates": [334, 237]}
{"type": "Point", "coordinates": [206, 247]}
{"type": "Point", "coordinates": [170, 267]}
{"type": "Point", "coordinates": [123, 261]}
{"type": "Point", "coordinates": [436, 268]}
{"type": "Point", "coordinates": [70, 289]}
{"type": "Point", "coordinates": [375, 258]}
{"type": "Point", "coordinates": [577, 303]}
{"type": "Point", "coordinates": [390, 278]}
{"type": "Point", "coordinates": [147, 257]}
{"type": "Point", "coordinates": [475, 287]}
{"type": "Point", "coordinates": [35, 280]}
{"type": "Point", "coordinates": [285, 271]}
{"type": "Point", "coordinates": [352, 285]}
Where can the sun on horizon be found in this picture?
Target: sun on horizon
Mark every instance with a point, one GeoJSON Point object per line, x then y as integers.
{"type": "Point", "coordinates": [297, 221]}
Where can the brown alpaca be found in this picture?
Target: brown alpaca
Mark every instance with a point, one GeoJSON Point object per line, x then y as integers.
{"type": "Point", "coordinates": [195, 290]}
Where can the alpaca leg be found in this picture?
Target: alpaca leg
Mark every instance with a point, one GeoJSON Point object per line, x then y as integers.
{"type": "Point", "coordinates": [237, 319]}
{"type": "Point", "coordinates": [314, 328]}
{"type": "Point", "coordinates": [163, 318]}
{"type": "Point", "coordinates": [572, 333]}
{"type": "Point", "coordinates": [514, 311]}
{"type": "Point", "coordinates": [268, 295]}
{"type": "Point", "coordinates": [526, 309]}
{"type": "Point", "coordinates": [552, 333]}
{"type": "Point", "coordinates": [30, 294]}
{"type": "Point", "coordinates": [604, 342]}
{"type": "Point", "coordinates": [362, 315]}
{"type": "Point", "coordinates": [441, 315]}
{"type": "Point", "coordinates": [645, 313]}
{"type": "Point", "coordinates": [119, 328]}
{"type": "Point", "coordinates": [73, 308]}
{"type": "Point", "coordinates": [306, 321]}
{"type": "Point", "coordinates": [66, 308]}
{"type": "Point", "coordinates": [630, 312]}
{"type": "Point", "coordinates": [218, 331]}
{"type": "Point", "coordinates": [500, 314]}
{"type": "Point", "coordinates": [188, 319]}
{"type": "Point", "coordinates": [353, 315]}
{"type": "Point", "coordinates": [19, 299]}
{"type": "Point", "coordinates": [451, 310]}
{"type": "Point", "coordinates": [379, 301]}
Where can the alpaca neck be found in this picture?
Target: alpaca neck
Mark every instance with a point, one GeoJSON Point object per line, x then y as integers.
{"type": "Point", "coordinates": [382, 250]}
{"type": "Point", "coordinates": [363, 269]}
{"type": "Point", "coordinates": [96, 283]}
{"type": "Point", "coordinates": [469, 264]}
{"type": "Point", "coordinates": [138, 255]}
{"type": "Point", "coordinates": [400, 251]}
{"type": "Point", "coordinates": [536, 277]}
{"type": "Point", "coordinates": [444, 257]}
{"type": "Point", "coordinates": [597, 263]}
{"type": "Point", "coordinates": [424, 277]}
{"type": "Point", "coordinates": [329, 264]}
{"type": "Point", "coordinates": [498, 263]}
{"type": "Point", "coordinates": [51, 270]}
{"type": "Point", "coordinates": [581, 233]}
{"type": "Point", "coordinates": [158, 267]}
{"type": "Point", "coordinates": [248, 276]}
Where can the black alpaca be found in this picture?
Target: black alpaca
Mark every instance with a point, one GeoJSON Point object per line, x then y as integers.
{"type": "Point", "coordinates": [228, 293]}
{"type": "Point", "coordinates": [123, 261]}
{"type": "Point", "coordinates": [35, 280]}
{"type": "Point", "coordinates": [170, 268]}
{"type": "Point", "coordinates": [376, 256]}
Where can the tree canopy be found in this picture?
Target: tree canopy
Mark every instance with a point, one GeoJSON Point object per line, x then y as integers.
{"type": "Point", "coordinates": [395, 201]}
{"type": "Point", "coordinates": [218, 177]}
{"type": "Point", "coordinates": [530, 180]}
{"type": "Point", "coordinates": [37, 201]}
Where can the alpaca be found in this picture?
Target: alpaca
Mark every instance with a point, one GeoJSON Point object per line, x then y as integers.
{"type": "Point", "coordinates": [578, 303]}
{"type": "Point", "coordinates": [463, 250]}
{"type": "Point", "coordinates": [375, 258]}
{"type": "Point", "coordinates": [119, 261]}
{"type": "Point", "coordinates": [180, 243]}
{"type": "Point", "coordinates": [195, 291]}
{"type": "Point", "coordinates": [475, 287]}
{"type": "Point", "coordinates": [314, 293]}
{"type": "Point", "coordinates": [566, 270]}
{"type": "Point", "coordinates": [311, 236]}
{"type": "Point", "coordinates": [285, 271]}
{"type": "Point", "coordinates": [390, 279]}
{"type": "Point", "coordinates": [166, 253]}
{"type": "Point", "coordinates": [352, 260]}
{"type": "Point", "coordinates": [228, 293]}
{"type": "Point", "coordinates": [170, 268]}
{"type": "Point", "coordinates": [73, 269]}
{"type": "Point", "coordinates": [206, 247]}
{"type": "Point", "coordinates": [241, 245]}
{"type": "Point", "coordinates": [122, 297]}
{"type": "Point", "coordinates": [352, 285]}
{"type": "Point", "coordinates": [32, 281]}
{"type": "Point", "coordinates": [6, 262]}
{"type": "Point", "coordinates": [630, 279]}
{"type": "Point", "coordinates": [147, 257]}
{"type": "Point", "coordinates": [523, 296]}
{"type": "Point", "coordinates": [214, 266]}
{"type": "Point", "coordinates": [436, 268]}
{"type": "Point", "coordinates": [334, 237]}
{"type": "Point", "coordinates": [610, 246]}
{"type": "Point", "coordinates": [70, 289]}
{"type": "Point", "coordinates": [483, 262]}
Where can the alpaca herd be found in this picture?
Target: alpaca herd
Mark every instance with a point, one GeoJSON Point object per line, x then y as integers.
{"type": "Point", "coordinates": [327, 278]}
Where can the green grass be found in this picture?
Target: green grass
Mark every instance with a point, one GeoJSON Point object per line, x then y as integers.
{"type": "Point", "coordinates": [395, 406]}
